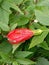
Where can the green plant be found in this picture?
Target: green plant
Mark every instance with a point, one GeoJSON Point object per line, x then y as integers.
{"type": "Point", "coordinates": [30, 14]}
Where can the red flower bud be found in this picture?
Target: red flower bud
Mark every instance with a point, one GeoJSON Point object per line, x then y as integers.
{"type": "Point", "coordinates": [19, 35]}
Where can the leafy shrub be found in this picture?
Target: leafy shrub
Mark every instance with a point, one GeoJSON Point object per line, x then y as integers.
{"type": "Point", "coordinates": [32, 14]}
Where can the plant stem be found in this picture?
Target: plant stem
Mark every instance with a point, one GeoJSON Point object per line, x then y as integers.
{"type": "Point", "coordinates": [15, 46]}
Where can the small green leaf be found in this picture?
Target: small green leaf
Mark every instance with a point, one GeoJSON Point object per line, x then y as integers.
{"type": "Point", "coordinates": [22, 54]}
{"type": "Point", "coordinates": [14, 6]}
{"type": "Point", "coordinates": [19, 20]}
{"type": "Point", "coordinates": [42, 61]}
{"type": "Point", "coordinates": [47, 39]}
{"type": "Point", "coordinates": [12, 27]}
{"type": "Point", "coordinates": [30, 12]}
{"type": "Point", "coordinates": [4, 16]}
{"type": "Point", "coordinates": [5, 58]}
{"type": "Point", "coordinates": [38, 39]}
{"type": "Point", "coordinates": [5, 47]}
{"type": "Point", "coordinates": [17, 2]}
{"type": "Point", "coordinates": [4, 26]}
{"type": "Point", "coordinates": [44, 45]}
{"type": "Point", "coordinates": [25, 61]}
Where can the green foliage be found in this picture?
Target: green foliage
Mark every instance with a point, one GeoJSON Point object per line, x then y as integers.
{"type": "Point", "coordinates": [19, 20]}
{"type": "Point", "coordinates": [5, 47]}
{"type": "Point", "coordinates": [25, 61]}
{"type": "Point", "coordinates": [22, 54]}
{"type": "Point", "coordinates": [24, 14]}
{"type": "Point", "coordinates": [42, 61]}
{"type": "Point", "coordinates": [44, 45]}
{"type": "Point", "coordinates": [42, 15]}
{"type": "Point", "coordinates": [38, 39]}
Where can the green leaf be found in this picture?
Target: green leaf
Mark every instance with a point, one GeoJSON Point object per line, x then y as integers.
{"type": "Point", "coordinates": [5, 52]}
{"type": "Point", "coordinates": [4, 26]}
{"type": "Point", "coordinates": [42, 61]}
{"type": "Point", "coordinates": [22, 54]}
{"type": "Point", "coordinates": [42, 15]}
{"type": "Point", "coordinates": [5, 47]}
{"type": "Point", "coordinates": [44, 45]}
{"type": "Point", "coordinates": [4, 16]}
{"type": "Point", "coordinates": [38, 39]}
{"type": "Point", "coordinates": [25, 61]}
{"type": "Point", "coordinates": [14, 6]}
{"type": "Point", "coordinates": [17, 2]}
{"type": "Point", "coordinates": [30, 12]}
{"type": "Point", "coordinates": [5, 57]}
{"type": "Point", "coordinates": [12, 27]}
{"type": "Point", "coordinates": [5, 12]}
{"type": "Point", "coordinates": [47, 39]}
{"type": "Point", "coordinates": [15, 63]}
{"type": "Point", "coordinates": [43, 3]}
{"type": "Point", "coordinates": [36, 25]}
{"type": "Point", "coordinates": [19, 20]}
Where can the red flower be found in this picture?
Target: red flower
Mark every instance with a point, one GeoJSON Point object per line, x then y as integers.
{"type": "Point", "coordinates": [19, 35]}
